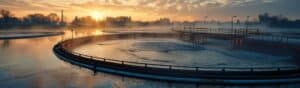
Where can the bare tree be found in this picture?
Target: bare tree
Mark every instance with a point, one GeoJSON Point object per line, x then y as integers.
{"type": "Point", "coordinates": [53, 18]}
{"type": "Point", "coordinates": [6, 14]}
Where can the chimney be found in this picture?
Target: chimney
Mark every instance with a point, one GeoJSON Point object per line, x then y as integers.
{"type": "Point", "coordinates": [62, 17]}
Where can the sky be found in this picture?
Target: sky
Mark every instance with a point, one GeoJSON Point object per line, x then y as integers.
{"type": "Point", "coordinates": [147, 10]}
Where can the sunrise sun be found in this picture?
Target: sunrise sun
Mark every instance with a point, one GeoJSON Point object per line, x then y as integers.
{"type": "Point", "coordinates": [97, 15]}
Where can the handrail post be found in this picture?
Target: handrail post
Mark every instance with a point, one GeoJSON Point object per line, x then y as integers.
{"type": "Point", "coordinates": [278, 69]}
{"type": "Point", "coordinates": [145, 65]}
{"type": "Point", "coordinates": [94, 67]}
{"type": "Point", "coordinates": [122, 62]}
{"type": "Point", "coordinates": [94, 64]}
{"type": "Point", "coordinates": [287, 40]}
{"type": "Point", "coordinates": [223, 69]}
{"type": "Point", "coordinates": [197, 69]}
{"type": "Point", "coordinates": [170, 67]}
{"type": "Point", "coordinates": [251, 69]}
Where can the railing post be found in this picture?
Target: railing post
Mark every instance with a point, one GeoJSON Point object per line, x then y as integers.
{"type": "Point", "coordinates": [278, 69]}
{"type": "Point", "coordinates": [122, 62]}
{"type": "Point", "coordinates": [287, 40]}
{"type": "Point", "coordinates": [197, 69]}
{"type": "Point", "coordinates": [223, 69]}
{"type": "Point", "coordinates": [94, 63]}
{"type": "Point", "coordinates": [251, 69]}
{"type": "Point", "coordinates": [94, 67]}
{"type": "Point", "coordinates": [146, 65]}
{"type": "Point", "coordinates": [170, 67]}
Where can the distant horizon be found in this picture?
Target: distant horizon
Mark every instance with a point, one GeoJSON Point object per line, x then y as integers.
{"type": "Point", "coordinates": [97, 18]}
{"type": "Point", "coordinates": [149, 10]}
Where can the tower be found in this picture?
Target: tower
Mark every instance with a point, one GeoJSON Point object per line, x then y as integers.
{"type": "Point", "coordinates": [62, 17]}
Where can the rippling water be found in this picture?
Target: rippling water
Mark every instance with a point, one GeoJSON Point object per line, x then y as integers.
{"type": "Point", "coordinates": [30, 63]}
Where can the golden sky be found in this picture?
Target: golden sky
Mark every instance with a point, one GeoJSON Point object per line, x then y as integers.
{"type": "Point", "coordinates": [154, 9]}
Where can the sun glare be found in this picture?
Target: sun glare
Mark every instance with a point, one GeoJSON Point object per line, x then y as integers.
{"type": "Point", "coordinates": [97, 15]}
{"type": "Point", "coordinates": [97, 32]}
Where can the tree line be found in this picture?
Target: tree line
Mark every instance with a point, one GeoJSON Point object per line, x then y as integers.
{"type": "Point", "coordinates": [9, 20]}
{"type": "Point", "coordinates": [278, 21]}
{"type": "Point", "coordinates": [119, 21]}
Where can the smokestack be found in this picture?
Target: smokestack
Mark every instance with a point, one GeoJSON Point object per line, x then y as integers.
{"type": "Point", "coordinates": [62, 16]}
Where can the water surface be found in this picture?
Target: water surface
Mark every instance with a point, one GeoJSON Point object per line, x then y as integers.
{"type": "Point", "coordinates": [30, 63]}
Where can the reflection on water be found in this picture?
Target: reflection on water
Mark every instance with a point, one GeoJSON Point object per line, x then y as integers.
{"type": "Point", "coordinates": [30, 63]}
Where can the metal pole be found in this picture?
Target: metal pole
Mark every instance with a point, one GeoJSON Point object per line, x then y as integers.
{"type": "Point", "coordinates": [232, 18]}
{"type": "Point", "coordinates": [72, 30]}
{"type": "Point", "coordinates": [231, 23]}
{"type": "Point", "coordinates": [247, 23]}
{"type": "Point", "coordinates": [204, 22]}
{"type": "Point", "coordinates": [223, 69]}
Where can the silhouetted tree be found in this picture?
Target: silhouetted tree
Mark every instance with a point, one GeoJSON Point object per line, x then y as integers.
{"type": "Point", "coordinates": [39, 19]}
{"type": "Point", "coordinates": [278, 21]}
{"type": "Point", "coordinates": [75, 22]}
{"type": "Point", "coordinates": [84, 21]}
{"type": "Point", "coordinates": [6, 14]}
{"type": "Point", "coordinates": [118, 21]}
{"type": "Point", "coordinates": [53, 18]}
{"type": "Point", "coordinates": [7, 19]}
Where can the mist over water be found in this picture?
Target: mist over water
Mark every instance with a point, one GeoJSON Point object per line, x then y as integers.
{"type": "Point", "coordinates": [31, 63]}
{"type": "Point", "coordinates": [143, 43]}
{"type": "Point", "coordinates": [216, 53]}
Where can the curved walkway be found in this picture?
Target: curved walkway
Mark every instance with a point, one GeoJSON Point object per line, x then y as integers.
{"type": "Point", "coordinates": [220, 75]}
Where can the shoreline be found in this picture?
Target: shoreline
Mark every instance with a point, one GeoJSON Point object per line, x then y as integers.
{"type": "Point", "coordinates": [33, 35]}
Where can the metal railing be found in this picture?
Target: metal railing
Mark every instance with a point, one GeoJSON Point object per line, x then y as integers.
{"type": "Point", "coordinates": [176, 67]}
{"type": "Point", "coordinates": [237, 31]}
{"type": "Point", "coordinates": [250, 34]}
{"type": "Point", "coordinates": [186, 68]}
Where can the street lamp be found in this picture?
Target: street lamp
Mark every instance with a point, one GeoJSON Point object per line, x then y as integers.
{"type": "Point", "coordinates": [205, 19]}
{"type": "Point", "coordinates": [232, 18]}
{"type": "Point", "coordinates": [247, 23]}
{"type": "Point", "coordinates": [72, 33]}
